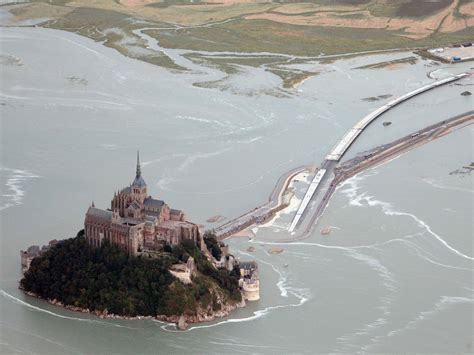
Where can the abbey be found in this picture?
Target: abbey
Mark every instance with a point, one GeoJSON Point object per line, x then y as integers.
{"type": "Point", "coordinates": [137, 222]}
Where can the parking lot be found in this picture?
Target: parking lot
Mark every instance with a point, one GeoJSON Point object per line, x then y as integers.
{"type": "Point", "coordinates": [450, 53]}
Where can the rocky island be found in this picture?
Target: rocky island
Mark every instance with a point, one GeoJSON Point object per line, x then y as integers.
{"type": "Point", "coordinates": [140, 259]}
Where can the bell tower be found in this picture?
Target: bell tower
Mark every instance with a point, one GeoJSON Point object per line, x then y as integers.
{"type": "Point", "coordinates": [139, 189]}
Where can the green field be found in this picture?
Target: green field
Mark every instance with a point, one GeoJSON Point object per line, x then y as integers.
{"type": "Point", "coordinates": [114, 29]}
{"type": "Point", "coordinates": [214, 28]}
{"type": "Point", "coordinates": [267, 36]}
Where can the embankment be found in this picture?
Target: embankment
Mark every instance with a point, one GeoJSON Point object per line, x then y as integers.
{"type": "Point", "coordinates": [260, 214]}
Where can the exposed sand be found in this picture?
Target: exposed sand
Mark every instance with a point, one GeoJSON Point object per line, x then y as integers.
{"type": "Point", "coordinates": [326, 230]}
{"type": "Point", "coordinates": [276, 250]}
{"type": "Point", "coordinates": [467, 9]}
{"type": "Point", "coordinates": [37, 10]}
{"type": "Point", "coordinates": [293, 203]}
{"type": "Point", "coordinates": [136, 2]}
{"type": "Point", "coordinates": [394, 66]}
{"type": "Point", "coordinates": [248, 233]}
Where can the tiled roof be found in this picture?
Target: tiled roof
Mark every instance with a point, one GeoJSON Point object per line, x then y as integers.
{"type": "Point", "coordinates": [176, 211]}
{"type": "Point", "coordinates": [149, 201]}
{"type": "Point", "coordinates": [98, 213]}
{"type": "Point", "coordinates": [135, 205]}
{"type": "Point", "coordinates": [248, 265]}
{"type": "Point", "coordinates": [127, 190]}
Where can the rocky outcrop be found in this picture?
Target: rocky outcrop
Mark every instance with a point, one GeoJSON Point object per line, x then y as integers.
{"type": "Point", "coordinates": [202, 314]}
{"type": "Point", "coordinates": [276, 250]}
{"type": "Point", "coordinates": [181, 324]}
{"type": "Point", "coordinates": [326, 231]}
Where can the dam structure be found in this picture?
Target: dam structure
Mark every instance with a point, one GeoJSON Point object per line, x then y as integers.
{"type": "Point", "coordinates": [321, 181]}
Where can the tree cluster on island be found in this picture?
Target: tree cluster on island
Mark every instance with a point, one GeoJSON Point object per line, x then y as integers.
{"type": "Point", "coordinates": [107, 279]}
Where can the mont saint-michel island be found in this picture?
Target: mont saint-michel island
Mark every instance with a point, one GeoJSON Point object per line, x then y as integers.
{"type": "Point", "coordinates": [140, 259]}
{"type": "Point", "coordinates": [304, 181]}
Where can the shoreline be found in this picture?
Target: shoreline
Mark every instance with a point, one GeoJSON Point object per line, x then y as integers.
{"type": "Point", "coordinates": [171, 320]}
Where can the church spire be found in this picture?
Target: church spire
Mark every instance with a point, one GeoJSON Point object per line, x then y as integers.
{"type": "Point", "coordinates": [138, 182]}
{"type": "Point", "coordinates": [139, 171]}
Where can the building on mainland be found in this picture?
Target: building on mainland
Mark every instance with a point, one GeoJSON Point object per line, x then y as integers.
{"type": "Point", "coordinates": [137, 222]}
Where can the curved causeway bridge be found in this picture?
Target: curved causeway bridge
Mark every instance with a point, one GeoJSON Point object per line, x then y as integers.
{"type": "Point", "coordinates": [324, 182]}
{"type": "Point", "coordinates": [373, 157]}
{"type": "Point", "coordinates": [320, 181]}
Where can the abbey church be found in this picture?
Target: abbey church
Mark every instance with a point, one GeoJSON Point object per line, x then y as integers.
{"type": "Point", "coordinates": [137, 222]}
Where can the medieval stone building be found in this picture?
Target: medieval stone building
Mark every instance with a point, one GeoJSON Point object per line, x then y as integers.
{"type": "Point", "coordinates": [137, 222]}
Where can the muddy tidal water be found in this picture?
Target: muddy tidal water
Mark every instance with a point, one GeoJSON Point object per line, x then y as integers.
{"type": "Point", "coordinates": [394, 275]}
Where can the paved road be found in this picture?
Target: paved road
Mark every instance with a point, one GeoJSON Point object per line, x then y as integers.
{"type": "Point", "coordinates": [343, 145]}
{"type": "Point", "coordinates": [317, 197]}
{"type": "Point", "coordinates": [371, 158]}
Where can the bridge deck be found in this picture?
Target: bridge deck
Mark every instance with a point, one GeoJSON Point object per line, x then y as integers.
{"type": "Point", "coordinates": [349, 138]}
{"type": "Point", "coordinates": [307, 197]}
{"type": "Point", "coordinates": [341, 147]}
